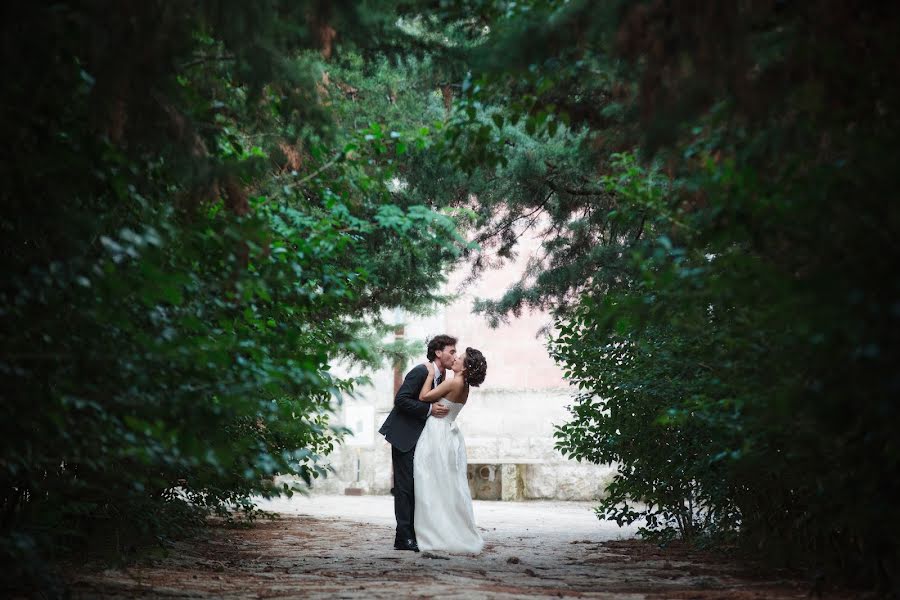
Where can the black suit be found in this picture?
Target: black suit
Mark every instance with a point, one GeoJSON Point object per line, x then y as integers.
{"type": "Point", "coordinates": [402, 429]}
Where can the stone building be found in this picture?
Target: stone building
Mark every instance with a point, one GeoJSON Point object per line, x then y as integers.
{"type": "Point", "coordinates": [507, 422]}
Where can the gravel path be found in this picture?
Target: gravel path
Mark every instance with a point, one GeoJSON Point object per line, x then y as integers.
{"type": "Point", "coordinates": [341, 547]}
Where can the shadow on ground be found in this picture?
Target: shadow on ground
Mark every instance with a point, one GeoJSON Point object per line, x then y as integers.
{"type": "Point", "coordinates": [536, 550]}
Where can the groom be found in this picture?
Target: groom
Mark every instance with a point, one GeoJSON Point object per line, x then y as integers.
{"type": "Point", "coordinates": [402, 429]}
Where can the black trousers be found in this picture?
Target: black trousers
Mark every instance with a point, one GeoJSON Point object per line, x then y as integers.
{"type": "Point", "coordinates": [404, 493]}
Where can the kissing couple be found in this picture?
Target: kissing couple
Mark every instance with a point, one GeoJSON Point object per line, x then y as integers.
{"type": "Point", "coordinates": [432, 503]}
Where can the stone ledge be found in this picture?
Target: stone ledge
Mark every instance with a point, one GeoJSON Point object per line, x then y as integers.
{"type": "Point", "coordinates": [510, 460]}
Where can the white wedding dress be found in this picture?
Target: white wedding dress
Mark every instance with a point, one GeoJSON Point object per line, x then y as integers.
{"type": "Point", "coordinates": [444, 519]}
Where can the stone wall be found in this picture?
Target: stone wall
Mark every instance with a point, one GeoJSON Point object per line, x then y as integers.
{"type": "Point", "coordinates": [499, 426]}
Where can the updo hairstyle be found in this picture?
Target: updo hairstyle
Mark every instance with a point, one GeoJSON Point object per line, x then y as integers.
{"type": "Point", "coordinates": [475, 367]}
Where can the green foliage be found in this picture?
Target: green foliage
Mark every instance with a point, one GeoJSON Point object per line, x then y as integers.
{"type": "Point", "coordinates": [718, 254]}
{"type": "Point", "coordinates": [736, 397]}
{"type": "Point", "coordinates": [193, 234]}
{"type": "Point", "coordinates": [209, 204]}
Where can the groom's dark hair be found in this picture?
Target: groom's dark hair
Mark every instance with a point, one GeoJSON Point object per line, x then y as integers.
{"type": "Point", "coordinates": [439, 342]}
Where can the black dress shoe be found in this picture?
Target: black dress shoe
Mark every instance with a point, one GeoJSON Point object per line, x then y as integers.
{"type": "Point", "coordinates": [408, 544]}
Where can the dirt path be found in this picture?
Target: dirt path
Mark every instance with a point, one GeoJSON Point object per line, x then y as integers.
{"type": "Point", "coordinates": [340, 547]}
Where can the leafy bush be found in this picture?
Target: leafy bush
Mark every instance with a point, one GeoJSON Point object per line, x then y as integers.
{"type": "Point", "coordinates": [188, 244]}
{"type": "Point", "coordinates": [718, 253]}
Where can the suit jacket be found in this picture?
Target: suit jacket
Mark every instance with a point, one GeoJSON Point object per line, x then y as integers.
{"type": "Point", "coordinates": [404, 425]}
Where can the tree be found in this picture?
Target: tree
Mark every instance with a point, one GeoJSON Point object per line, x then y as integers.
{"type": "Point", "coordinates": [713, 182]}
{"type": "Point", "coordinates": [191, 236]}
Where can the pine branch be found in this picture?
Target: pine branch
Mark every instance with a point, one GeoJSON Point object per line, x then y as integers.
{"type": "Point", "coordinates": [574, 191]}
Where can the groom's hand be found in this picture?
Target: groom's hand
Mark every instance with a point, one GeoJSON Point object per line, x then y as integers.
{"type": "Point", "coordinates": [439, 410]}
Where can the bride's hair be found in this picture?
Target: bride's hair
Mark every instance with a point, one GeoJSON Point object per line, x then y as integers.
{"type": "Point", "coordinates": [475, 367]}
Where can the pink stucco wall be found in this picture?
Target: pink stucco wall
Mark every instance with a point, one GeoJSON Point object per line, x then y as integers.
{"type": "Point", "coordinates": [516, 353]}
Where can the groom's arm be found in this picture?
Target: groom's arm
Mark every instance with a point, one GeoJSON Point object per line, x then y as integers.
{"type": "Point", "coordinates": [407, 398]}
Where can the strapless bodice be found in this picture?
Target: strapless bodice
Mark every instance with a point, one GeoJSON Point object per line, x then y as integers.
{"type": "Point", "coordinates": [454, 407]}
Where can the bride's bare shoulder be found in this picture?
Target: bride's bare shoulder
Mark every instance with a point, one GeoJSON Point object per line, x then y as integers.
{"type": "Point", "coordinates": [460, 389]}
{"type": "Point", "coordinates": [457, 383]}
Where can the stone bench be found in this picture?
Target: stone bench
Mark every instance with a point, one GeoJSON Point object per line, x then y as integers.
{"type": "Point", "coordinates": [500, 478]}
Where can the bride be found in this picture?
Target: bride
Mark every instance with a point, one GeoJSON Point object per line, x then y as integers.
{"type": "Point", "coordinates": [444, 519]}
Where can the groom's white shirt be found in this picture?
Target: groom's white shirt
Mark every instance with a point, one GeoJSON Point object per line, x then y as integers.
{"type": "Point", "coordinates": [437, 381]}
